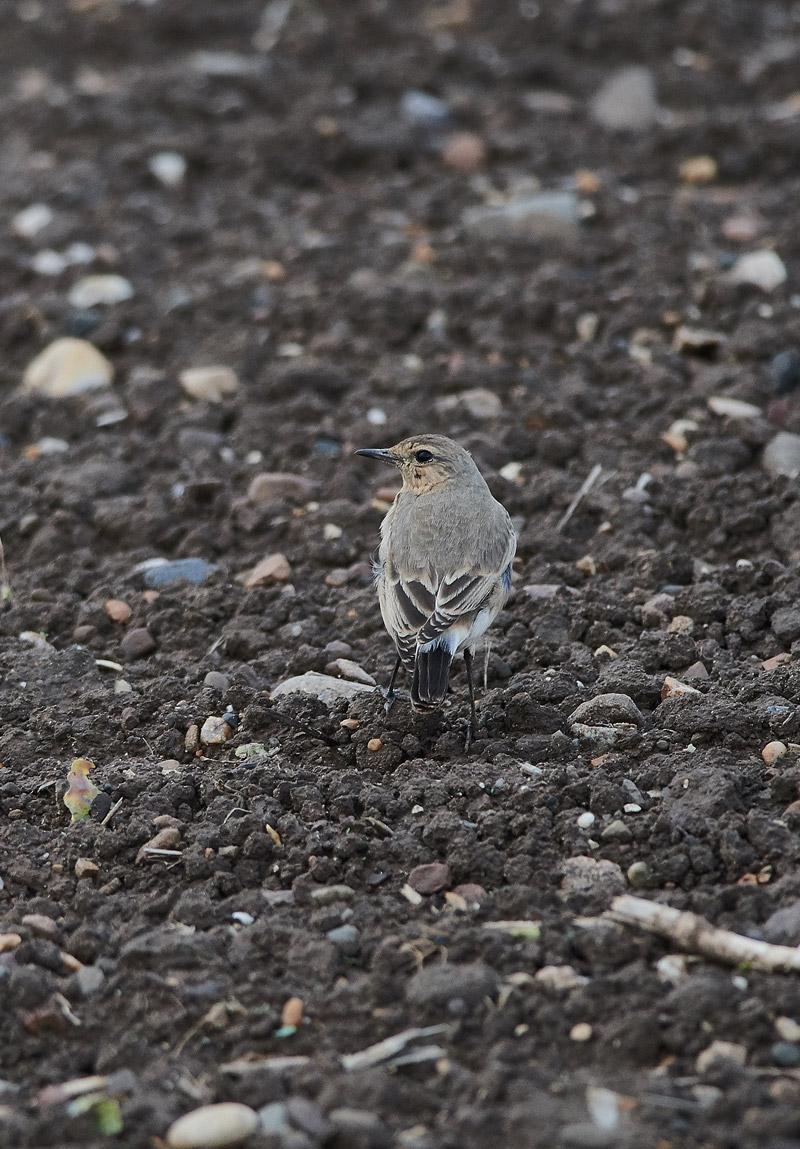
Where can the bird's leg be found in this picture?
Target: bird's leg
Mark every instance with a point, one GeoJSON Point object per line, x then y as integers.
{"type": "Point", "coordinates": [389, 693]}
{"type": "Point", "coordinates": [473, 718]}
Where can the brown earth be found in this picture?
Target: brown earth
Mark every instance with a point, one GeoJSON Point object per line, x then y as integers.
{"type": "Point", "coordinates": [299, 155]}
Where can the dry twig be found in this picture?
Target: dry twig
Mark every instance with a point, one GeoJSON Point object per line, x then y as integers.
{"type": "Point", "coordinates": [581, 493]}
{"type": "Point", "coordinates": [694, 934]}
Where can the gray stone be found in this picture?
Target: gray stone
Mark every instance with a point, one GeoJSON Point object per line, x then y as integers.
{"type": "Point", "coordinates": [347, 939]}
{"type": "Point", "coordinates": [216, 680]}
{"type": "Point", "coordinates": [275, 485]}
{"type": "Point", "coordinates": [322, 686]}
{"type": "Point", "coordinates": [783, 926]}
{"type": "Point", "coordinates": [626, 101]}
{"type": "Point", "coordinates": [359, 1129]}
{"type": "Point", "coordinates": [305, 1115]}
{"type": "Point", "coordinates": [607, 710]}
{"type": "Point", "coordinates": [423, 110]}
{"type": "Point", "coordinates": [273, 1118]}
{"type": "Point", "coordinates": [89, 980]}
{"type": "Point", "coordinates": [782, 455]}
{"type": "Point", "coordinates": [617, 831]}
{"type": "Point", "coordinates": [194, 571]}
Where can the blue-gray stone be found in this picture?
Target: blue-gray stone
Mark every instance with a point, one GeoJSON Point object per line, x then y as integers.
{"type": "Point", "coordinates": [194, 571]}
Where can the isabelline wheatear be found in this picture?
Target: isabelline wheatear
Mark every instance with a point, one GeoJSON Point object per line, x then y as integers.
{"type": "Point", "coordinates": [444, 563]}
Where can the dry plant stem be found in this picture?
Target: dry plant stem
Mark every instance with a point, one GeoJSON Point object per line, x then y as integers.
{"type": "Point", "coordinates": [582, 492]}
{"type": "Point", "coordinates": [279, 716]}
{"type": "Point", "coordinates": [694, 934]}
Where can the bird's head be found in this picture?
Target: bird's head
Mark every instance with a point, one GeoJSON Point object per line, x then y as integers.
{"type": "Point", "coordinates": [425, 461]}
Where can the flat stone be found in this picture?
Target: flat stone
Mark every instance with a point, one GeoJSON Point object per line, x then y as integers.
{"type": "Point", "coordinates": [273, 568]}
{"type": "Point", "coordinates": [67, 367]}
{"type": "Point", "coordinates": [209, 384]}
{"type": "Point", "coordinates": [194, 571]}
{"type": "Point", "coordinates": [626, 101]}
{"type": "Point", "coordinates": [430, 877]}
{"type": "Point", "coordinates": [326, 895]}
{"type": "Point", "coordinates": [617, 831]}
{"type": "Point", "coordinates": [544, 215]}
{"type": "Point", "coordinates": [271, 486]}
{"type": "Point", "coordinates": [213, 1126]}
{"type": "Point", "coordinates": [216, 680]}
{"type": "Point", "coordinates": [93, 290]}
{"type": "Point", "coordinates": [733, 408]}
{"type": "Point", "coordinates": [137, 643]}
{"type": "Point", "coordinates": [42, 926]}
{"type": "Point", "coordinates": [607, 710]}
{"type": "Point", "coordinates": [347, 939]}
{"type": "Point", "coordinates": [785, 623]}
{"type": "Point", "coordinates": [346, 668]}
{"type": "Point", "coordinates": [322, 686]}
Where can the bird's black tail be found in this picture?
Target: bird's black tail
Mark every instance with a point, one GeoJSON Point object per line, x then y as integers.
{"type": "Point", "coordinates": [431, 672]}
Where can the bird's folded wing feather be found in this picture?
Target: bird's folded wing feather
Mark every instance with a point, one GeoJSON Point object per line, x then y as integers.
{"type": "Point", "coordinates": [426, 605]}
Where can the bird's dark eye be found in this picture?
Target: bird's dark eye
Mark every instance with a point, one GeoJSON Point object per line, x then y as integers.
{"type": "Point", "coordinates": [423, 456]}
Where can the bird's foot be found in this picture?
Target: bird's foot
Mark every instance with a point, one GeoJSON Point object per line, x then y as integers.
{"type": "Point", "coordinates": [389, 698]}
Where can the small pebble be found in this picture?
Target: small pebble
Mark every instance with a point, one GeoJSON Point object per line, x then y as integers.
{"type": "Point", "coordinates": [194, 571]}
{"type": "Point", "coordinates": [117, 610]}
{"type": "Point", "coordinates": [137, 643]}
{"type": "Point", "coordinates": [31, 220]}
{"type": "Point", "coordinates": [213, 1126]}
{"type": "Point", "coordinates": [773, 751]}
{"type": "Point", "coordinates": [374, 744]}
{"type": "Point", "coordinates": [764, 269]}
{"type": "Point", "coordinates": [586, 820]}
{"type": "Point", "coordinates": [785, 1054]}
{"type": "Point", "coordinates": [9, 942]}
{"type": "Point", "coordinates": [376, 416]}
{"type": "Point", "coordinates": [785, 372]}
{"type": "Point", "coordinates": [216, 680]}
{"type": "Point", "coordinates": [347, 939]}
{"type": "Point", "coordinates": [787, 1027]}
{"type": "Point", "coordinates": [627, 101]}
{"type": "Point", "coordinates": [325, 895]}
{"type": "Point", "coordinates": [424, 110]}
{"type": "Point", "coordinates": [215, 731]}
{"type": "Point", "coordinates": [67, 367]}
{"type": "Point", "coordinates": [617, 831]}
{"type": "Point", "coordinates": [242, 917]}
{"type": "Point", "coordinates": [93, 290]}
{"type": "Point", "coordinates": [209, 384]}
{"type": "Point", "coordinates": [672, 688]}
{"type": "Point", "coordinates": [350, 723]}
{"type": "Point", "coordinates": [465, 151]}
{"type": "Point", "coordinates": [346, 668]}
{"type": "Point", "coordinates": [42, 926]}
{"type": "Point", "coordinates": [782, 454]}
{"type": "Point", "coordinates": [742, 228]}
{"type": "Point", "coordinates": [430, 877]}
{"type": "Point", "coordinates": [292, 1012]}
{"type": "Point", "coordinates": [733, 408]}
{"type": "Point", "coordinates": [86, 868]}
{"type": "Point", "coordinates": [720, 1051]}
{"type": "Point", "coordinates": [581, 1032]}
{"type": "Point", "coordinates": [639, 875]}
{"type": "Point", "coordinates": [169, 168]}
{"type": "Point", "coordinates": [698, 170]}
{"type": "Point", "coordinates": [274, 568]}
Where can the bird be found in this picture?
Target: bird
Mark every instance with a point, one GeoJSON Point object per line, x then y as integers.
{"type": "Point", "coordinates": [443, 568]}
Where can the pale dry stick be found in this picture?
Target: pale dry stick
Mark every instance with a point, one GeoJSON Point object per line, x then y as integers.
{"type": "Point", "coordinates": [582, 492]}
{"type": "Point", "coordinates": [693, 934]}
{"type": "Point", "coordinates": [5, 587]}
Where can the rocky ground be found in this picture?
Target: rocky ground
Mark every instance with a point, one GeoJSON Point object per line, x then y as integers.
{"type": "Point", "coordinates": [370, 219]}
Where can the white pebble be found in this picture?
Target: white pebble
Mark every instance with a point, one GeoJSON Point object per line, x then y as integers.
{"type": "Point", "coordinates": [96, 289]}
{"type": "Point", "coordinates": [51, 446]}
{"type": "Point", "coordinates": [67, 367]}
{"type": "Point", "coordinates": [169, 168]}
{"type": "Point", "coordinates": [586, 820]}
{"type": "Point", "coordinates": [215, 731]}
{"type": "Point", "coordinates": [788, 1028]}
{"type": "Point", "coordinates": [773, 751]}
{"type": "Point", "coordinates": [330, 532]}
{"type": "Point", "coordinates": [632, 808]}
{"type": "Point", "coordinates": [511, 471]}
{"type": "Point", "coordinates": [243, 917]}
{"type": "Point", "coordinates": [734, 408]}
{"type": "Point", "coordinates": [289, 350]}
{"type": "Point", "coordinates": [211, 384]}
{"type": "Point", "coordinates": [213, 1126]}
{"type": "Point", "coordinates": [376, 416]}
{"type": "Point", "coordinates": [48, 262]}
{"type": "Point", "coordinates": [79, 253]}
{"type": "Point", "coordinates": [31, 220]}
{"type": "Point", "coordinates": [764, 269]}
{"type": "Point", "coordinates": [581, 1032]}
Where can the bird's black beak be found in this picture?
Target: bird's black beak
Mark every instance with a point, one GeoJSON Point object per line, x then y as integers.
{"type": "Point", "coordinates": [374, 453]}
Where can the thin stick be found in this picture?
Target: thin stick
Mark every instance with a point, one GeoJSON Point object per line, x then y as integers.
{"type": "Point", "coordinates": [5, 588]}
{"type": "Point", "coordinates": [583, 491]}
{"type": "Point", "coordinates": [112, 812]}
{"type": "Point", "coordinates": [279, 716]}
{"type": "Point", "coordinates": [694, 934]}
